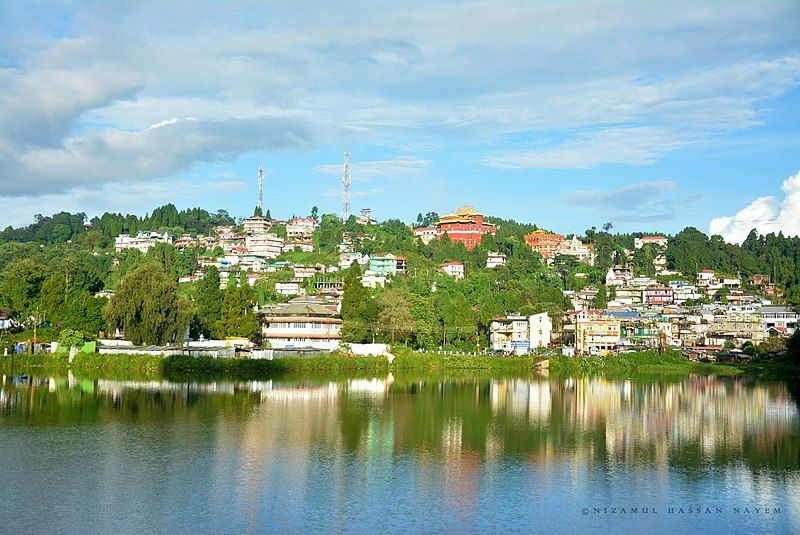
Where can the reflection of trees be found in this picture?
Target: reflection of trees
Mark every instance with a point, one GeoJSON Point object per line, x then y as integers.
{"type": "Point", "coordinates": [695, 422]}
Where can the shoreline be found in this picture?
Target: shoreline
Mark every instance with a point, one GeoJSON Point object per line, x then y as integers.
{"type": "Point", "coordinates": [629, 364]}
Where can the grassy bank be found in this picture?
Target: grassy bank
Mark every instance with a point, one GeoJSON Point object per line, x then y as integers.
{"type": "Point", "coordinates": [648, 362]}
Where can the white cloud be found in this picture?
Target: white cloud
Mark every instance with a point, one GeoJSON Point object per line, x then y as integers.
{"type": "Point", "coordinates": [626, 145]}
{"type": "Point", "coordinates": [765, 214]}
{"type": "Point", "coordinates": [108, 155]}
{"type": "Point", "coordinates": [127, 197]}
{"type": "Point", "coordinates": [650, 201]}
{"type": "Point", "coordinates": [92, 94]}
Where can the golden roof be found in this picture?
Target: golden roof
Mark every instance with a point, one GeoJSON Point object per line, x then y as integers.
{"type": "Point", "coordinates": [462, 215]}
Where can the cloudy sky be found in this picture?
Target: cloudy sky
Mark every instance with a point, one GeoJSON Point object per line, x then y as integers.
{"type": "Point", "coordinates": [651, 115]}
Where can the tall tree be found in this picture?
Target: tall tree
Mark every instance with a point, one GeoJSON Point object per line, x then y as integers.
{"type": "Point", "coordinates": [146, 307]}
{"type": "Point", "coordinates": [395, 318]}
{"type": "Point", "coordinates": [237, 316]}
{"type": "Point", "coordinates": [358, 308]}
{"type": "Point", "coordinates": [208, 302]}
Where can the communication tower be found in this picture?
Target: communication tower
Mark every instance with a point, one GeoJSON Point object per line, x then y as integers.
{"type": "Point", "coordinates": [346, 180]}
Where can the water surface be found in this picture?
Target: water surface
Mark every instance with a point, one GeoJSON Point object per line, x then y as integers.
{"type": "Point", "coordinates": [434, 453]}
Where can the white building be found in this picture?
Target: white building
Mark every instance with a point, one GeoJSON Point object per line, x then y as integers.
{"type": "Point", "coordinates": [289, 288]}
{"type": "Point", "coordinates": [346, 260]}
{"type": "Point", "coordinates": [256, 225]}
{"type": "Point", "coordinates": [300, 326]}
{"type": "Point", "coordinates": [575, 247]}
{"type": "Point", "coordinates": [519, 334]}
{"type": "Point", "coordinates": [454, 269]}
{"type": "Point", "coordinates": [706, 278]}
{"type": "Point", "coordinates": [266, 245]}
{"type": "Point", "coordinates": [780, 318]}
{"type": "Point", "coordinates": [494, 259]}
{"type": "Point", "coordinates": [372, 280]}
{"type": "Point", "coordinates": [142, 241]}
{"type": "Point", "coordinates": [658, 241]}
{"type": "Point", "coordinates": [427, 234]}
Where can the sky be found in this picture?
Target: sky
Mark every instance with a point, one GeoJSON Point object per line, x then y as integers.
{"type": "Point", "coordinates": [651, 115]}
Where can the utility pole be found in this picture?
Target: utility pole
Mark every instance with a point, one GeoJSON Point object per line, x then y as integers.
{"type": "Point", "coordinates": [346, 180]}
{"type": "Point", "coordinates": [261, 190]}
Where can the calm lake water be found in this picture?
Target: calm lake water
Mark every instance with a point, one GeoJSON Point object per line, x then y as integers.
{"type": "Point", "coordinates": [461, 453]}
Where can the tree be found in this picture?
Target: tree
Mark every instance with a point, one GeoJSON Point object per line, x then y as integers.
{"type": "Point", "coordinates": [793, 346]}
{"type": "Point", "coordinates": [208, 303]}
{"type": "Point", "coordinates": [146, 307]}
{"type": "Point", "coordinates": [601, 299]}
{"type": "Point", "coordinates": [68, 338]}
{"type": "Point", "coordinates": [395, 318]}
{"type": "Point", "coordinates": [258, 212]}
{"type": "Point", "coordinates": [237, 317]}
{"type": "Point", "coordinates": [358, 308]}
{"type": "Point", "coordinates": [314, 212]}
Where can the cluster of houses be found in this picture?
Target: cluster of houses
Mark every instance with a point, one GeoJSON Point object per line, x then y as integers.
{"type": "Point", "coordinates": [712, 313]}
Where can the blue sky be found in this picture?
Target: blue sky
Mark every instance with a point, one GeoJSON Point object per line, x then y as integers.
{"type": "Point", "coordinates": [652, 116]}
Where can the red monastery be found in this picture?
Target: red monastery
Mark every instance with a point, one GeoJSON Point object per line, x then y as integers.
{"type": "Point", "coordinates": [464, 226]}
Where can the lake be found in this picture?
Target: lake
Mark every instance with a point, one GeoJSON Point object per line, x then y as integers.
{"type": "Point", "coordinates": [432, 453]}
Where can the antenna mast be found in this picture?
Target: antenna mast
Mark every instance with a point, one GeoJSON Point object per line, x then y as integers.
{"type": "Point", "coordinates": [346, 180]}
{"type": "Point", "coordinates": [261, 190]}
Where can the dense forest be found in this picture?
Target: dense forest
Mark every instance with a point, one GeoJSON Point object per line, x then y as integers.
{"type": "Point", "coordinates": [53, 273]}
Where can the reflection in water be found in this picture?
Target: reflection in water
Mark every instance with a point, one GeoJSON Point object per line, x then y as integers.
{"type": "Point", "coordinates": [702, 419]}
{"type": "Point", "coordinates": [331, 444]}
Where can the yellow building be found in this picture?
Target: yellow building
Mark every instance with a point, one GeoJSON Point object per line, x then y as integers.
{"type": "Point", "coordinates": [595, 334]}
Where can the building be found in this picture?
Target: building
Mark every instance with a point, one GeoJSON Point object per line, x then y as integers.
{"type": "Point", "coordinates": [346, 260]}
{"type": "Point", "coordinates": [706, 278]}
{"type": "Point", "coordinates": [373, 280]}
{"type": "Point", "coordinates": [466, 226]}
{"type": "Point", "coordinates": [289, 288]}
{"type": "Point", "coordinates": [454, 269]}
{"type": "Point", "coordinates": [142, 241]}
{"type": "Point", "coordinates": [5, 319]}
{"type": "Point", "coordinates": [576, 248]}
{"type": "Point", "coordinates": [365, 218]}
{"type": "Point", "coordinates": [657, 295]}
{"type": "Point", "coordinates": [657, 240]}
{"type": "Point", "coordinates": [541, 329]}
{"type": "Point", "coordinates": [619, 277]}
{"type": "Point", "coordinates": [427, 234]}
{"type": "Point", "coordinates": [265, 245]}
{"type": "Point", "coordinates": [596, 333]}
{"type": "Point", "coordinates": [299, 233]}
{"type": "Point", "coordinates": [519, 334]}
{"type": "Point", "coordinates": [385, 264]}
{"type": "Point", "coordinates": [544, 243]}
{"type": "Point", "coordinates": [301, 325]}
{"type": "Point", "coordinates": [510, 334]}
{"type": "Point", "coordinates": [494, 259]}
{"type": "Point", "coordinates": [778, 318]}
{"type": "Point", "coordinates": [256, 225]}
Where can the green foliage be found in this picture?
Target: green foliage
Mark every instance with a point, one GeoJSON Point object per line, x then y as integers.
{"type": "Point", "coordinates": [329, 234]}
{"type": "Point", "coordinates": [146, 307]}
{"type": "Point", "coordinates": [68, 338]}
{"type": "Point", "coordinates": [359, 310]}
{"type": "Point", "coordinates": [237, 316]}
{"type": "Point", "coordinates": [395, 318]}
{"type": "Point", "coordinates": [208, 303]}
{"type": "Point", "coordinates": [793, 346]}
